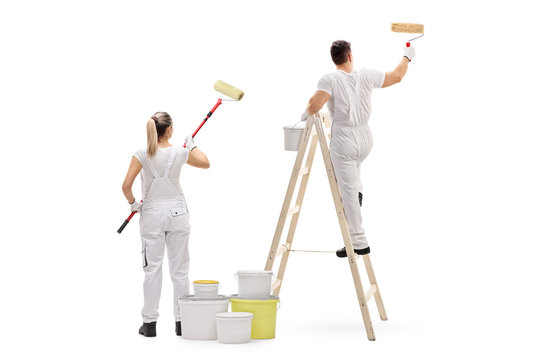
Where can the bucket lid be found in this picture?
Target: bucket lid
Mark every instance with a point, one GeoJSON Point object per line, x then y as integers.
{"type": "Point", "coordinates": [300, 126]}
{"type": "Point", "coordinates": [206, 282]}
{"type": "Point", "coordinates": [234, 315]}
{"type": "Point", "coordinates": [254, 272]}
{"type": "Point", "coordinates": [269, 297]}
{"type": "Point", "coordinates": [195, 298]}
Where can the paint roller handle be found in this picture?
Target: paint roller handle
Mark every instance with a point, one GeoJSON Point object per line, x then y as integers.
{"type": "Point", "coordinates": [408, 44]}
{"type": "Point", "coordinates": [206, 118]}
{"type": "Point", "coordinates": [121, 228]}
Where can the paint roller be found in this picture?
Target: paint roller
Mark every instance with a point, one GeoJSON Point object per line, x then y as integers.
{"type": "Point", "coordinates": [222, 87]}
{"type": "Point", "coordinates": [226, 89]}
{"type": "Point", "coordinates": [410, 29]}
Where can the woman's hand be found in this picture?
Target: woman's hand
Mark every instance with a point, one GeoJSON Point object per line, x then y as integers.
{"type": "Point", "coordinates": [136, 206]}
{"type": "Point", "coordinates": [190, 143]}
{"type": "Point", "coordinates": [196, 157]}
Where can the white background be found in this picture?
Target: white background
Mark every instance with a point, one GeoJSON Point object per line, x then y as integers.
{"type": "Point", "coordinates": [451, 186]}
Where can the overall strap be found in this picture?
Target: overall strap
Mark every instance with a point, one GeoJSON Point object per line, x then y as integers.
{"type": "Point", "coordinates": [150, 166]}
{"type": "Point", "coordinates": [169, 163]}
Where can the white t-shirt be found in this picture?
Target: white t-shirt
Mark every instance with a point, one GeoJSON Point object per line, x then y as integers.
{"type": "Point", "coordinates": [159, 161]}
{"type": "Point", "coordinates": [350, 93]}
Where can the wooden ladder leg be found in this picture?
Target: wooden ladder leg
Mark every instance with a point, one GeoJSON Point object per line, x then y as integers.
{"type": "Point", "coordinates": [306, 135]}
{"type": "Point", "coordinates": [345, 231]}
{"type": "Point", "coordinates": [373, 281]}
{"type": "Point", "coordinates": [276, 287]}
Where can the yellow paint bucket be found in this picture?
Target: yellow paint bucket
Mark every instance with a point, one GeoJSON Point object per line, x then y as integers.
{"type": "Point", "coordinates": [206, 288]}
{"type": "Point", "coordinates": [206, 282]}
{"type": "Point", "coordinates": [264, 313]}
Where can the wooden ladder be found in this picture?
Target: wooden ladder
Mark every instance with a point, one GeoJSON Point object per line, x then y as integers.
{"type": "Point", "coordinates": [312, 137]}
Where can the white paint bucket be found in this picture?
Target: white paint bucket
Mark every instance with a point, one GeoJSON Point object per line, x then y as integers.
{"type": "Point", "coordinates": [205, 288]}
{"type": "Point", "coordinates": [293, 134]}
{"type": "Point", "coordinates": [198, 316]}
{"type": "Point", "coordinates": [234, 327]}
{"type": "Point", "coordinates": [254, 283]}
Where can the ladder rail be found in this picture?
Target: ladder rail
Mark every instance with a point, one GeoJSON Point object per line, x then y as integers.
{"type": "Point", "coordinates": [296, 215]}
{"type": "Point", "coordinates": [373, 281]}
{"type": "Point", "coordinates": [345, 232]}
{"type": "Point", "coordinates": [288, 196]}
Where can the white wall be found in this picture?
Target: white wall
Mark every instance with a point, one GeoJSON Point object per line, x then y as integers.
{"type": "Point", "coordinates": [451, 186]}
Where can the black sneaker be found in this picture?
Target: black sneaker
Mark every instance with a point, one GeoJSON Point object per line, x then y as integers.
{"type": "Point", "coordinates": [343, 252]}
{"type": "Point", "coordinates": [179, 328]}
{"type": "Point", "coordinates": [148, 329]}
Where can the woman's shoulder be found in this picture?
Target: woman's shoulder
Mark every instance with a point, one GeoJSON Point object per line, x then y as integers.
{"type": "Point", "coordinates": [183, 153]}
{"type": "Point", "coordinates": [179, 149]}
{"type": "Point", "coordinates": [139, 153]}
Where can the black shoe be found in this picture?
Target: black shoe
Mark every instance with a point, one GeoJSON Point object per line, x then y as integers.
{"type": "Point", "coordinates": [148, 329]}
{"type": "Point", "coordinates": [179, 328]}
{"type": "Point", "coordinates": [343, 252]}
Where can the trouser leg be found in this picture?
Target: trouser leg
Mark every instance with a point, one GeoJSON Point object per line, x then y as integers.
{"type": "Point", "coordinates": [153, 251]}
{"type": "Point", "coordinates": [348, 178]}
{"type": "Point", "coordinates": [178, 255]}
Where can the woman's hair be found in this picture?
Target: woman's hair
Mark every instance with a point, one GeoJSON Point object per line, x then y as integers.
{"type": "Point", "coordinates": [156, 128]}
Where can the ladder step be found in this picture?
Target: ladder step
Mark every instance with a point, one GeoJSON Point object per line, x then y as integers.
{"type": "Point", "coordinates": [303, 171]}
{"type": "Point", "coordinates": [293, 210]}
{"type": "Point", "coordinates": [275, 284]}
{"type": "Point", "coordinates": [282, 248]}
{"type": "Point", "coordinates": [371, 291]}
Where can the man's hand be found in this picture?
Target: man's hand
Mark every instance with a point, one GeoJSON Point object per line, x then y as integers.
{"type": "Point", "coordinates": [305, 115]}
{"type": "Point", "coordinates": [409, 52]}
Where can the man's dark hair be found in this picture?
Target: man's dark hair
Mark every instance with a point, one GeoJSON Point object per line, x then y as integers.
{"type": "Point", "coordinates": [340, 51]}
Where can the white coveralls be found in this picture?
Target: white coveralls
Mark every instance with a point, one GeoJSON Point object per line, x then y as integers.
{"type": "Point", "coordinates": [164, 222]}
{"type": "Point", "coordinates": [350, 143]}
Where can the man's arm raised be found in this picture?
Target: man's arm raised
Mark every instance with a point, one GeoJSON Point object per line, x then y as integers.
{"type": "Point", "coordinates": [395, 76]}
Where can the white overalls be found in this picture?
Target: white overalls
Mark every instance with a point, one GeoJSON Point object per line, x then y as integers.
{"type": "Point", "coordinates": [351, 140]}
{"type": "Point", "coordinates": [164, 221]}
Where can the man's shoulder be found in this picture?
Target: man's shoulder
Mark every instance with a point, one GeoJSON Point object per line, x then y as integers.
{"type": "Point", "coordinates": [367, 71]}
{"type": "Point", "coordinates": [332, 74]}
{"type": "Point", "coordinates": [329, 77]}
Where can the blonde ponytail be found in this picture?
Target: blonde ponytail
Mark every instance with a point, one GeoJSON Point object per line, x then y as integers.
{"type": "Point", "coordinates": [155, 129]}
{"type": "Point", "coordinates": [152, 137]}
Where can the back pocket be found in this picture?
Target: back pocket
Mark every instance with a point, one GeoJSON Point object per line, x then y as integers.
{"type": "Point", "coordinates": [177, 212]}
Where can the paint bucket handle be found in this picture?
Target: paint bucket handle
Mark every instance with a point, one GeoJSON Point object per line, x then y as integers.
{"type": "Point", "coordinates": [294, 126]}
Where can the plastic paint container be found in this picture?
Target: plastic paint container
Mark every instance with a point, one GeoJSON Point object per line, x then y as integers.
{"type": "Point", "coordinates": [254, 283]}
{"type": "Point", "coordinates": [264, 314]}
{"type": "Point", "coordinates": [292, 135]}
{"type": "Point", "coordinates": [198, 316]}
{"type": "Point", "coordinates": [233, 327]}
{"type": "Point", "coordinates": [206, 288]}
